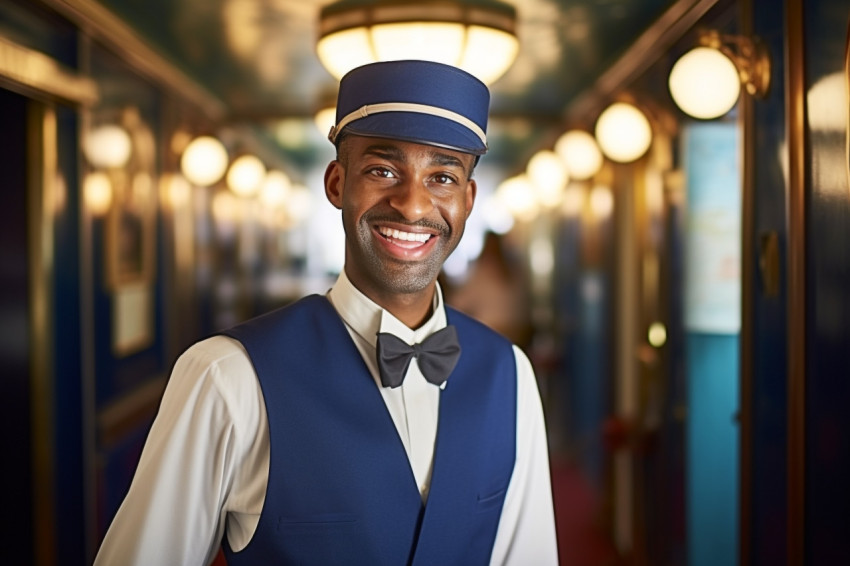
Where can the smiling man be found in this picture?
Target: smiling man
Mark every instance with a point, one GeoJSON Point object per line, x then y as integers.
{"type": "Point", "coordinates": [372, 425]}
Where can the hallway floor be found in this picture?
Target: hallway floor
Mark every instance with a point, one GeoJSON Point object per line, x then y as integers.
{"type": "Point", "coordinates": [582, 541]}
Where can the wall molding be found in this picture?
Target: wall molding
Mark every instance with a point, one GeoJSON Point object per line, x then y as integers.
{"type": "Point", "coordinates": [38, 72]}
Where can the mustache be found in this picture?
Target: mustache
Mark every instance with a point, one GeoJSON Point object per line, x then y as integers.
{"type": "Point", "coordinates": [376, 218]}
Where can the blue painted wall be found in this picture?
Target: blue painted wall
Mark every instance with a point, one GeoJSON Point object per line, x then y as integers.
{"type": "Point", "coordinates": [712, 449]}
{"type": "Point", "coordinates": [712, 318]}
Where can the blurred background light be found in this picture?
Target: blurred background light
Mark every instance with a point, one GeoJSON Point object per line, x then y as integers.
{"type": "Point", "coordinates": [204, 161]}
{"type": "Point", "coordinates": [97, 191]}
{"type": "Point", "coordinates": [548, 174]}
{"type": "Point", "coordinates": [704, 83]}
{"type": "Point", "coordinates": [246, 175]}
{"type": "Point", "coordinates": [579, 152]}
{"type": "Point", "coordinates": [623, 132]}
{"type": "Point", "coordinates": [108, 146]}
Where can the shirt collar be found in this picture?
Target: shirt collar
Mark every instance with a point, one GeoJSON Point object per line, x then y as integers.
{"type": "Point", "coordinates": [366, 318]}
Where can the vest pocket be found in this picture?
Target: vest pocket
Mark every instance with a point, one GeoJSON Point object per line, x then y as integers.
{"type": "Point", "coordinates": [325, 522]}
{"type": "Point", "coordinates": [490, 501]}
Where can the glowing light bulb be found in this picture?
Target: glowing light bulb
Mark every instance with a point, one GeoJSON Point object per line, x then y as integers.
{"type": "Point", "coordinates": [623, 132]}
{"type": "Point", "coordinates": [704, 83]}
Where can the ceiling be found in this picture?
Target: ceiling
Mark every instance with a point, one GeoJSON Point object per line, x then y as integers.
{"type": "Point", "coordinates": [258, 57]}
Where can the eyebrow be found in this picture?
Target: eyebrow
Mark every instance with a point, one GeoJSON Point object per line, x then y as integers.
{"type": "Point", "coordinates": [388, 152]}
{"type": "Point", "coordinates": [393, 153]}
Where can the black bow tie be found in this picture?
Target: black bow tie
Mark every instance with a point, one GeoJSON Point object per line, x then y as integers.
{"type": "Point", "coordinates": [436, 356]}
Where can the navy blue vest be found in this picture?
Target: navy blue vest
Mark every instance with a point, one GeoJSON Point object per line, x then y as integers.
{"type": "Point", "coordinates": [340, 488]}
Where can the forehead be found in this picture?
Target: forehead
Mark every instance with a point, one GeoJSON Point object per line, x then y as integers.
{"type": "Point", "coordinates": [364, 146]}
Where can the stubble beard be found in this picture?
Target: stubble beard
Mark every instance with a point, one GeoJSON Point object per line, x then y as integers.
{"type": "Point", "coordinates": [394, 276]}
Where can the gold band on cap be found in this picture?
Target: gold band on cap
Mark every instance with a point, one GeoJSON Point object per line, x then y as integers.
{"type": "Point", "coordinates": [370, 109]}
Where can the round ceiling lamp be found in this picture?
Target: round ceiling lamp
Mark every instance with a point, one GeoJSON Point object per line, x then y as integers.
{"type": "Point", "coordinates": [623, 132]}
{"type": "Point", "coordinates": [204, 161]}
{"type": "Point", "coordinates": [580, 154]}
{"type": "Point", "coordinates": [479, 38]}
{"type": "Point", "coordinates": [704, 83]}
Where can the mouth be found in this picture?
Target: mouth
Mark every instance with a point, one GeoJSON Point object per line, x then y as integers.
{"type": "Point", "coordinates": [406, 245]}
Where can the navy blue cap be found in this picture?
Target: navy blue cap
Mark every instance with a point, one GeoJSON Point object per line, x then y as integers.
{"type": "Point", "coordinates": [416, 101]}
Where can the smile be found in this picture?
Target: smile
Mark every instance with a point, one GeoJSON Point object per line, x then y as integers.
{"type": "Point", "coordinates": [406, 246]}
{"type": "Point", "coordinates": [411, 237]}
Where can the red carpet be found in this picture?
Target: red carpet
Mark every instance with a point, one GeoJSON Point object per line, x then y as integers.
{"type": "Point", "coordinates": [582, 541]}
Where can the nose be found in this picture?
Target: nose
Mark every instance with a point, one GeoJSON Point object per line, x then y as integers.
{"type": "Point", "coordinates": [412, 199]}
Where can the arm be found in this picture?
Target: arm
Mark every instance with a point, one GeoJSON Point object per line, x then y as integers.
{"type": "Point", "coordinates": [175, 510]}
{"type": "Point", "coordinates": [526, 533]}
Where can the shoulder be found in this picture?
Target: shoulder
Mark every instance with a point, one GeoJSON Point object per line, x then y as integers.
{"type": "Point", "coordinates": [267, 331]}
{"type": "Point", "coordinates": [214, 354]}
{"type": "Point", "coordinates": [217, 370]}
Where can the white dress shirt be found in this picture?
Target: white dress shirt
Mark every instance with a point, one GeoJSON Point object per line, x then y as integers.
{"type": "Point", "coordinates": [204, 468]}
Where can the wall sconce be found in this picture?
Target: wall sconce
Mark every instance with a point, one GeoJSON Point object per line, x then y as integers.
{"type": "Point", "coordinates": [580, 154]}
{"type": "Point", "coordinates": [479, 38]}
{"type": "Point", "coordinates": [204, 161]}
{"type": "Point", "coordinates": [623, 132]}
{"type": "Point", "coordinates": [706, 81]}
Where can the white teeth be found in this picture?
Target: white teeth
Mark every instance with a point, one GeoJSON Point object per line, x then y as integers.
{"type": "Point", "coordinates": [408, 236]}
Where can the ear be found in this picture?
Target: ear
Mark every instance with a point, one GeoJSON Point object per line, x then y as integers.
{"type": "Point", "coordinates": [334, 183]}
{"type": "Point", "coordinates": [471, 192]}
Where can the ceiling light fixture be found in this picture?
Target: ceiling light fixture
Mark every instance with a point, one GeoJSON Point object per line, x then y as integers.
{"type": "Point", "coordinates": [706, 81]}
{"type": "Point", "coordinates": [479, 38]}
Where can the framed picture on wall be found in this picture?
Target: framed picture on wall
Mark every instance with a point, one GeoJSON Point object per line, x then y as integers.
{"type": "Point", "coordinates": [130, 238]}
{"type": "Point", "coordinates": [131, 228]}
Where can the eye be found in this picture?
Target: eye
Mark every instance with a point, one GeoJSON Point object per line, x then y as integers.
{"type": "Point", "coordinates": [382, 172]}
{"type": "Point", "coordinates": [444, 179]}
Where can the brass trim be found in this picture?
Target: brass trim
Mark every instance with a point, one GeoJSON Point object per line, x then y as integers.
{"type": "Point", "coordinates": [42, 171]}
{"type": "Point", "coordinates": [106, 27]}
{"type": "Point", "coordinates": [746, 400]}
{"type": "Point", "coordinates": [653, 43]}
{"type": "Point", "coordinates": [342, 16]}
{"type": "Point", "coordinates": [43, 74]}
{"type": "Point", "coordinates": [796, 333]}
{"type": "Point", "coordinates": [847, 94]}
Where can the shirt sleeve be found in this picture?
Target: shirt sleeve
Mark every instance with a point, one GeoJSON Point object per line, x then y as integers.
{"type": "Point", "coordinates": [526, 533]}
{"type": "Point", "coordinates": [177, 504]}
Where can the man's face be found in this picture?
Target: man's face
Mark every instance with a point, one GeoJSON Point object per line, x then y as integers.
{"type": "Point", "coordinates": [404, 207]}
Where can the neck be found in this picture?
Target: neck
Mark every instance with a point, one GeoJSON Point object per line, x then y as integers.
{"type": "Point", "coordinates": [412, 310]}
